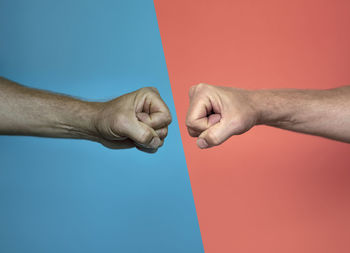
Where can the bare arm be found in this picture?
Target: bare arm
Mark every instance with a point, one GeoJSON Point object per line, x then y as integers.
{"type": "Point", "coordinates": [217, 113]}
{"type": "Point", "coordinates": [120, 123]}
{"type": "Point", "coordinates": [26, 111]}
{"type": "Point", "coordinates": [318, 112]}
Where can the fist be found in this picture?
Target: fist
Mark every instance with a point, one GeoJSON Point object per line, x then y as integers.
{"type": "Point", "coordinates": [216, 113]}
{"type": "Point", "coordinates": [137, 119]}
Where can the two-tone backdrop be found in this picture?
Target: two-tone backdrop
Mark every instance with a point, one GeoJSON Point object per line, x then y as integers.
{"type": "Point", "coordinates": [265, 191]}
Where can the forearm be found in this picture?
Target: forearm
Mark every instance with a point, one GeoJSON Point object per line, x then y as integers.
{"type": "Point", "coordinates": [26, 111]}
{"type": "Point", "coordinates": [319, 112]}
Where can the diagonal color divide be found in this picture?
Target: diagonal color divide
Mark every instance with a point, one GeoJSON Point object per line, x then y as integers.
{"type": "Point", "coordinates": [77, 196]}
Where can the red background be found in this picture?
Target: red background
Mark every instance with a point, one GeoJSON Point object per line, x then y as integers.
{"type": "Point", "coordinates": [268, 190]}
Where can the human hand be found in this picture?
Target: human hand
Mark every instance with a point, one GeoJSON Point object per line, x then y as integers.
{"type": "Point", "coordinates": [138, 119]}
{"type": "Point", "coordinates": [216, 113]}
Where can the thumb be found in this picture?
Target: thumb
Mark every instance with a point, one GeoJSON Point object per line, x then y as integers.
{"type": "Point", "coordinates": [143, 135]}
{"type": "Point", "coordinates": [214, 135]}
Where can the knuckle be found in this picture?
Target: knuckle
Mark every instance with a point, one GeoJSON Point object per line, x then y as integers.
{"type": "Point", "coordinates": [201, 86]}
{"type": "Point", "coordinates": [194, 125]}
{"type": "Point", "coordinates": [212, 139]}
{"type": "Point", "coordinates": [168, 119]}
{"type": "Point", "coordinates": [189, 123]}
{"type": "Point", "coordinates": [161, 143]}
{"type": "Point", "coordinates": [192, 133]}
{"type": "Point", "coordinates": [192, 90]}
{"type": "Point", "coordinates": [196, 88]}
{"type": "Point", "coordinates": [151, 89]}
{"type": "Point", "coordinates": [145, 137]}
{"type": "Point", "coordinates": [163, 133]}
{"type": "Point", "coordinates": [141, 90]}
{"type": "Point", "coordinates": [155, 89]}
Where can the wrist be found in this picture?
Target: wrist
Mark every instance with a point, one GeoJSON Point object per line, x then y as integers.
{"type": "Point", "coordinates": [255, 98]}
{"type": "Point", "coordinates": [276, 107]}
{"type": "Point", "coordinates": [266, 106]}
{"type": "Point", "coordinates": [84, 124]}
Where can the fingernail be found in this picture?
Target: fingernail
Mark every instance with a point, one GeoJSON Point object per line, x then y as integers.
{"type": "Point", "coordinates": [155, 142]}
{"type": "Point", "coordinates": [202, 143]}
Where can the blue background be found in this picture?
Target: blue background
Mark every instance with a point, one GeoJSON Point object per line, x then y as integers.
{"type": "Point", "coordinates": [77, 196]}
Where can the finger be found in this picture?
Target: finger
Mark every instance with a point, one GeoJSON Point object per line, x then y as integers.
{"type": "Point", "coordinates": [154, 89]}
{"type": "Point", "coordinates": [149, 150]}
{"type": "Point", "coordinates": [215, 135]}
{"type": "Point", "coordinates": [202, 124]}
{"type": "Point", "coordinates": [159, 113]}
{"type": "Point", "coordinates": [154, 103]}
{"type": "Point", "coordinates": [154, 112]}
{"type": "Point", "coordinates": [162, 133]}
{"type": "Point", "coordinates": [123, 144]}
{"type": "Point", "coordinates": [156, 120]}
{"type": "Point", "coordinates": [197, 118]}
{"type": "Point", "coordinates": [199, 109]}
{"type": "Point", "coordinates": [191, 91]}
{"type": "Point", "coordinates": [193, 133]}
{"type": "Point", "coordinates": [142, 134]}
{"type": "Point", "coordinates": [213, 119]}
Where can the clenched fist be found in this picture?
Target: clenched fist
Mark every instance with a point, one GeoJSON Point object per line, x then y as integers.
{"type": "Point", "coordinates": [139, 118]}
{"type": "Point", "coordinates": [217, 113]}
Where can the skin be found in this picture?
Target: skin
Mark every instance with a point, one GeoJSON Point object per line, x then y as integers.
{"type": "Point", "coordinates": [138, 119]}
{"type": "Point", "coordinates": [217, 113]}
